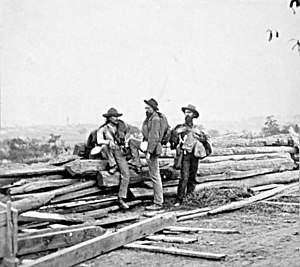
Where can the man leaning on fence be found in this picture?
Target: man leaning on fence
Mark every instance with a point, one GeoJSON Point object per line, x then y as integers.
{"type": "Point", "coordinates": [192, 143]}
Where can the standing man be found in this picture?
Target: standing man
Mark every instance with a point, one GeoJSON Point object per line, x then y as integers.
{"type": "Point", "coordinates": [111, 138]}
{"type": "Point", "coordinates": [194, 143]}
{"type": "Point", "coordinates": [153, 133]}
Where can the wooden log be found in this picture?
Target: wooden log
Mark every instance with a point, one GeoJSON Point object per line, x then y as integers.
{"type": "Point", "coordinates": [61, 239]}
{"type": "Point", "coordinates": [220, 151]}
{"type": "Point", "coordinates": [233, 141]}
{"type": "Point", "coordinates": [176, 251]}
{"type": "Point", "coordinates": [76, 194]}
{"type": "Point", "coordinates": [237, 175]}
{"type": "Point", "coordinates": [36, 216]}
{"type": "Point", "coordinates": [74, 187]}
{"type": "Point", "coordinates": [276, 164]}
{"type": "Point", "coordinates": [31, 171]}
{"type": "Point", "coordinates": [264, 187]}
{"type": "Point", "coordinates": [78, 203]}
{"type": "Point", "coordinates": [281, 203]}
{"type": "Point", "coordinates": [62, 190]}
{"type": "Point", "coordinates": [185, 229]}
{"type": "Point", "coordinates": [34, 186]}
{"type": "Point", "coordinates": [87, 207]}
{"type": "Point", "coordinates": [33, 202]}
{"type": "Point", "coordinates": [168, 239]}
{"type": "Point", "coordinates": [190, 212]}
{"type": "Point", "coordinates": [86, 167]}
{"type": "Point", "coordinates": [280, 178]}
{"type": "Point", "coordinates": [99, 245]}
{"type": "Point", "coordinates": [104, 179]}
{"type": "Point", "coordinates": [261, 156]}
{"type": "Point", "coordinates": [99, 212]}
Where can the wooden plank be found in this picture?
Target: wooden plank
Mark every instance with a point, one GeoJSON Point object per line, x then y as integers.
{"type": "Point", "coordinates": [60, 191]}
{"type": "Point", "coordinates": [264, 187]}
{"type": "Point", "coordinates": [190, 212]}
{"type": "Point", "coordinates": [171, 239]}
{"type": "Point", "coordinates": [86, 167]}
{"type": "Point", "coordinates": [34, 186]}
{"type": "Point", "coordinates": [102, 244]}
{"type": "Point", "coordinates": [99, 212]}
{"type": "Point", "coordinates": [31, 171]}
{"type": "Point", "coordinates": [76, 194]}
{"type": "Point", "coordinates": [176, 251]}
{"type": "Point", "coordinates": [52, 217]}
{"type": "Point", "coordinates": [33, 202]}
{"type": "Point", "coordinates": [185, 229]}
{"type": "Point", "coordinates": [281, 203]}
{"type": "Point", "coordinates": [61, 239]}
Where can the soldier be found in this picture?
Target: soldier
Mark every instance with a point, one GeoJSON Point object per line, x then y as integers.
{"type": "Point", "coordinates": [153, 129]}
{"type": "Point", "coordinates": [113, 146]}
{"type": "Point", "coordinates": [192, 143]}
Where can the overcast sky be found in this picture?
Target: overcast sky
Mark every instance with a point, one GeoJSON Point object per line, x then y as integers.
{"type": "Point", "coordinates": [75, 59]}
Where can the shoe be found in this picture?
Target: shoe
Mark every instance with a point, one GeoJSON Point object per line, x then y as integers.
{"type": "Point", "coordinates": [113, 170]}
{"type": "Point", "coordinates": [154, 207]}
{"type": "Point", "coordinates": [122, 204]}
{"type": "Point", "coordinates": [177, 204]}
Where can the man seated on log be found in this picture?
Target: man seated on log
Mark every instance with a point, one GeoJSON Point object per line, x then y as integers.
{"type": "Point", "coordinates": [192, 143]}
{"type": "Point", "coordinates": [114, 147]}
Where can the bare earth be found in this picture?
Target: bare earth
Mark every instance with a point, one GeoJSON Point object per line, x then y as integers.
{"type": "Point", "coordinates": [268, 237]}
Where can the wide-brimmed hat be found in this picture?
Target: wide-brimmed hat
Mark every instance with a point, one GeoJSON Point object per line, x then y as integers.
{"type": "Point", "coordinates": [191, 108]}
{"type": "Point", "coordinates": [152, 103]}
{"type": "Point", "coordinates": [112, 112]}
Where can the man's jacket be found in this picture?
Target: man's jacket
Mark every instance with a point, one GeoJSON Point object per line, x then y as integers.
{"type": "Point", "coordinates": [153, 133]}
{"type": "Point", "coordinates": [187, 137]}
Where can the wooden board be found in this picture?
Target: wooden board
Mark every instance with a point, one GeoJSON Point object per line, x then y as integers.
{"type": "Point", "coordinates": [35, 216]}
{"type": "Point", "coordinates": [31, 171]}
{"type": "Point", "coordinates": [171, 239]}
{"type": "Point", "coordinates": [86, 167]}
{"type": "Point", "coordinates": [176, 251]}
{"type": "Point", "coordinates": [34, 186]}
{"type": "Point", "coordinates": [61, 239]}
{"type": "Point", "coordinates": [185, 229]}
{"type": "Point", "coordinates": [99, 245]}
{"type": "Point", "coordinates": [76, 194]}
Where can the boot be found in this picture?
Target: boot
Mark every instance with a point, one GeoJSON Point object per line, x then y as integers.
{"type": "Point", "coordinates": [122, 204]}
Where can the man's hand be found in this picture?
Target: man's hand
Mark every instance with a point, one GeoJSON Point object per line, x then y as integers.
{"type": "Point", "coordinates": [112, 144]}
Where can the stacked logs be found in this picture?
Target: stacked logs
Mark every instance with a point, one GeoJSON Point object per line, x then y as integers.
{"type": "Point", "coordinates": [81, 193]}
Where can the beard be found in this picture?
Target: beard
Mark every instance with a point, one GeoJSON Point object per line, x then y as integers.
{"type": "Point", "coordinates": [188, 119]}
{"type": "Point", "coordinates": [115, 122]}
{"type": "Point", "coordinates": [148, 114]}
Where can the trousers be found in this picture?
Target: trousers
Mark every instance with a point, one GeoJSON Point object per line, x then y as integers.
{"type": "Point", "coordinates": [188, 172]}
{"type": "Point", "coordinates": [115, 156]}
{"type": "Point", "coordinates": [156, 179]}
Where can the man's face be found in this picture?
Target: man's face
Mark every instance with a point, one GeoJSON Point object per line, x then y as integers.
{"type": "Point", "coordinates": [114, 120]}
{"type": "Point", "coordinates": [149, 111]}
{"type": "Point", "coordinates": [189, 115]}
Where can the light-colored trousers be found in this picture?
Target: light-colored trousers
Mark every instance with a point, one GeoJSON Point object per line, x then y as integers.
{"type": "Point", "coordinates": [156, 179]}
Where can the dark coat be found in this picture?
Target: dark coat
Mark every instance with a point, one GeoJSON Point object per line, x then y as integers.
{"type": "Point", "coordinates": [153, 133]}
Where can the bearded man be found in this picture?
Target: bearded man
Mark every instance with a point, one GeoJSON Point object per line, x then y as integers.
{"type": "Point", "coordinates": [192, 143]}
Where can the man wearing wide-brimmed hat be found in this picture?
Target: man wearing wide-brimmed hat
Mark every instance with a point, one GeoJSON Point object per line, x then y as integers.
{"type": "Point", "coordinates": [153, 133]}
{"type": "Point", "coordinates": [111, 139]}
{"type": "Point", "coordinates": [192, 143]}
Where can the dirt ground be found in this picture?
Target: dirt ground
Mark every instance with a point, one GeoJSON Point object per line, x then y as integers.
{"type": "Point", "coordinates": [268, 236]}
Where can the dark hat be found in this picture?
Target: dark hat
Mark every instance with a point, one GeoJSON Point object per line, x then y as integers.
{"type": "Point", "coordinates": [112, 112]}
{"type": "Point", "coordinates": [191, 108]}
{"type": "Point", "coordinates": [152, 103]}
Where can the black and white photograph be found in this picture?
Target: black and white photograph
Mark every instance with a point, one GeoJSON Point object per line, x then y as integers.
{"type": "Point", "coordinates": [149, 133]}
